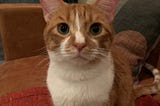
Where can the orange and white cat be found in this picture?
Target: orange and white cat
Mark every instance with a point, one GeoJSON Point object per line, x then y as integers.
{"type": "Point", "coordinates": [84, 69]}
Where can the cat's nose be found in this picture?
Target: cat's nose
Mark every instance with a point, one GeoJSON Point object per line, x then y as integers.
{"type": "Point", "coordinates": [79, 46]}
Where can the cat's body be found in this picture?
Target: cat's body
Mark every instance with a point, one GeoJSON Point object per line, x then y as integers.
{"type": "Point", "coordinates": [107, 85]}
{"type": "Point", "coordinates": [123, 92]}
{"type": "Point", "coordinates": [85, 69]}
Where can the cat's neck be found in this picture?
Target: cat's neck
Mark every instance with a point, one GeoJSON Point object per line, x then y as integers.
{"type": "Point", "coordinates": [68, 71]}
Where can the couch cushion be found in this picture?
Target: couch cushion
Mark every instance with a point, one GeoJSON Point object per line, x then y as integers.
{"type": "Point", "coordinates": [21, 28]}
{"type": "Point", "coordinates": [23, 73]}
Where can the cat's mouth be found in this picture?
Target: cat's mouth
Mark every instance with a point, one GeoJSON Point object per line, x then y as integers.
{"type": "Point", "coordinates": [79, 57]}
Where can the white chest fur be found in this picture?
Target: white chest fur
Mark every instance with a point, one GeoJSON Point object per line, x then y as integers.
{"type": "Point", "coordinates": [70, 86]}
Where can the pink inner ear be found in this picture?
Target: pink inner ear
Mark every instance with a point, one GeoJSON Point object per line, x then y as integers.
{"type": "Point", "coordinates": [108, 6]}
{"type": "Point", "coordinates": [50, 6]}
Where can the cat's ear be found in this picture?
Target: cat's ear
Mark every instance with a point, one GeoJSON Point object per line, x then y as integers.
{"type": "Point", "coordinates": [107, 6]}
{"type": "Point", "coordinates": [49, 6]}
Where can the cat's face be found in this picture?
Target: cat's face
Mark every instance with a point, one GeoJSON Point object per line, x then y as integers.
{"type": "Point", "coordinates": [78, 33]}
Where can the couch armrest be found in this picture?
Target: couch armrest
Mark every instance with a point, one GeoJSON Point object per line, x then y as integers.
{"type": "Point", "coordinates": [21, 28]}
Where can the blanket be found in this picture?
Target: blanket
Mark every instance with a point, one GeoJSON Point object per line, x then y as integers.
{"type": "Point", "coordinates": [39, 96]}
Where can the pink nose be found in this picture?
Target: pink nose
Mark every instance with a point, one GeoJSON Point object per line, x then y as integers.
{"type": "Point", "coordinates": [79, 46]}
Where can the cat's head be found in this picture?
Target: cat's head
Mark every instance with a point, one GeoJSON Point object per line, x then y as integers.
{"type": "Point", "coordinates": [78, 33]}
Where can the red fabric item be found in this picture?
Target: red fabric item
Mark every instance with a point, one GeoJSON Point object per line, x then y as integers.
{"type": "Point", "coordinates": [146, 101]}
{"type": "Point", "coordinates": [40, 96]}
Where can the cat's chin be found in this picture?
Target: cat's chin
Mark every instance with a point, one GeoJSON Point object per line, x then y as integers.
{"type": "Point", "coordinates": [79, 60]}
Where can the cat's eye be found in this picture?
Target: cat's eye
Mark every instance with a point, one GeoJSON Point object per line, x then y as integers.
{"type": "Point", "coordinates": [95, 29]}
{"type": "Point", "coordinates": [63, 28]}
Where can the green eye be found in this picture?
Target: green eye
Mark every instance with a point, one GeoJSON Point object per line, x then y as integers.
{"type": "Point", "coordinates": [95, 29]}
{"type": "Point", "coordinates": [63, 28]}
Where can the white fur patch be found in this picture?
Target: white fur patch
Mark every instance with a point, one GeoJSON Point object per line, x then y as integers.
{"type": "Point", "coordinates": [157, 79]}
{"type": "Point", "coordinates": [89, 85]}
{"type": "Point", "coordinates": [155, 71]}
{"type": "Point", "coordinates": [79, 38]}
{"type": "Point", "coordinates": [156, 75]}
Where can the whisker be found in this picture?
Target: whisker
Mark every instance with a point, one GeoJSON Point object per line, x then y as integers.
{"type": "Point", "coordinates": [101, 54]}
{"type": "Point", "coordinates": [43, 53]}
{"type": "Point", "coordinates": [40, 49]}
{"type": "Point", "coordinates": [67, 54]}
{"type": "Point", "coordinates": [100, 50]}
{"type": "Point", "coordinates": [41, 62]}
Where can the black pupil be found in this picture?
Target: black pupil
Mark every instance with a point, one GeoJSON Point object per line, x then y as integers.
{"type": "Point", "coordinates": [63, 28]}
{"type": "Point", "coordinates": [95, 28]}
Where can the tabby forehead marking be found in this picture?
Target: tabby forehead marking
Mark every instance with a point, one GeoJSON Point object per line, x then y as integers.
{"type": "Point", "coordinates": [79, 38]}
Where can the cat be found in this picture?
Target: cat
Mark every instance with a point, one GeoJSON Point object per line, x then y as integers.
{"type": "Point", "coordinates": [84, 68]}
